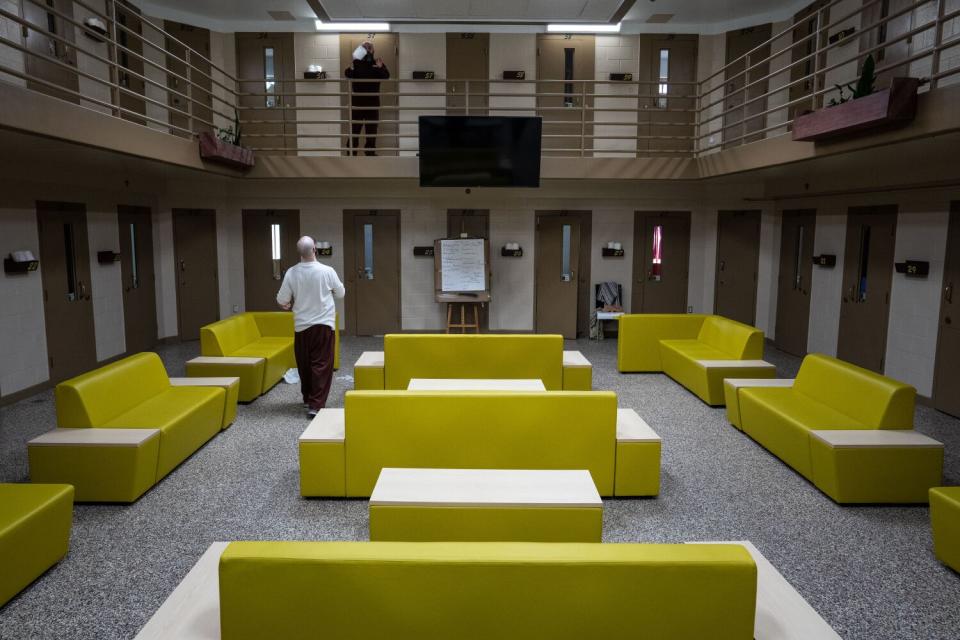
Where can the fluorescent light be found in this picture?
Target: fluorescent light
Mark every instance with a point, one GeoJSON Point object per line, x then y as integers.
{"type": "Point", "coordinates": [363, 27]}
{"type": "Point", "coordinates": [584, 28]}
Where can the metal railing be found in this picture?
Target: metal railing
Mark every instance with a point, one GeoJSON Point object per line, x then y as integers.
{"type": "Point", "coordinates": [144, 74]}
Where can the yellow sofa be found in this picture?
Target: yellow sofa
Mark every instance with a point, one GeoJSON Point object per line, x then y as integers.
{"type": "Point", "coordinates": [698, 351]}
{"type": "Point", "coordinates": [254, 334]}
{"type": "Point", "coordinates": [828, 425]}
{"type": "Point", "coordinates": [485, 590]}
{"type": "Point", "coordinates": [128, 395]}
{"type": "Point", "coordinates": [35, 521]}
{"type": "Point", "coordinates": [474, 430]}
{"type": "Point", "coordinates": [945, 524]}
{"type": "Point", "coordinates": [407, 356]}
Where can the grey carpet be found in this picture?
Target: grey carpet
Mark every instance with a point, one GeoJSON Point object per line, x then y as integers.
{"type": "Point", "coordinates": [869, 571]}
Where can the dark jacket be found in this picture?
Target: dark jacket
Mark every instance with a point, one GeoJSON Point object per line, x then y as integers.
{"type": "Point", "coordinates": [366, 69]}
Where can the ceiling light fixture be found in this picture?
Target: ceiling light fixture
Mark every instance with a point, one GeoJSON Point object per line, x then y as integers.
{"type": "Point", "coordinates": [344, 27]}
{"type": "Point", "coordinates": [584, 28]}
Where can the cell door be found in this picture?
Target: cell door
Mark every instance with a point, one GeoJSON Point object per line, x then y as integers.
{"type": "Point", "coordinates": [54, 41]}
{"type": "Point", "coordinates": [67, 295]}
{"type": "Point", "coordinates": [386, 46]}
{"type": "Point", "coordinates": [558, 280]}
{"type": "Point", "coordinates": [130, 76]}
{"type": "Point", "coordinates": [468, 57]}
{"type": "Point", "coordinates": [793, 288]}
{"type": "Point", "coordinates": [269, 249]}
{"type": "Point", "coordinates": [661, 261]}
{"type": "Point", "coordinates": [867, 276]}
{"type": "Point", "coordinates": [266, 67]}
{"type": "Point", "coordinates": [372, 271]}
{"type": "Point", "coordinates": [194, 100]}
{"type": "Point", "coordinates": [667, 63]}
{"type": "Point", "coordinates": [136, 267]}
{"type": "Point", "coordinates": [804, 62]}
{"type": "Point", "coordinates": [738, 258]}
{"type": "Point", "coordinates": [562, 60]}
{"type": "Point", "coordinates": [946, 378]}
{"type": "Point", "coordinates": [471, 223]}
{"type": "Point", "coordinates": [742, 105]}
{"type": "Point", "coordinates": [195, 249]}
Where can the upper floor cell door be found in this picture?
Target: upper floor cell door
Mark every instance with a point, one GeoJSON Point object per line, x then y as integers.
{"type": "Point", "coordinates": [565, 87]}
{"type": "Point", "coordinates": [52, 58]}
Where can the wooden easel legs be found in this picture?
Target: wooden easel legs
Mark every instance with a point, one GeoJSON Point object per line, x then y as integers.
{"type": "Point", "coordinates": [463, 325]}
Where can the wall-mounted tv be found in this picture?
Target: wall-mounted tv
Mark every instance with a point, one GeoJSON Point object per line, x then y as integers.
{"type": "Point", "coordinates": [479, 151]}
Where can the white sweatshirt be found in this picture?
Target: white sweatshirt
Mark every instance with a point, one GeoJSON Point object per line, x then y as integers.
{"type": "Point", "coordinates": [311, 286]}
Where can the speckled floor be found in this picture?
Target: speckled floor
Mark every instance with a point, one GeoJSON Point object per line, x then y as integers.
{"type": "Point", "coordinates": [869, 571]}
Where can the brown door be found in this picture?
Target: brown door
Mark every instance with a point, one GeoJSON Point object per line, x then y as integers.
{"type": "Point", "coordinates": [666, 62]}
{"type": "Point", "coordinates": [468, 57]}
{"type": "Point", "coordinates": [793, 290]}
{"type": "Point", "coordinates": [738, 258]}
{"type": "Point", "coordinates": [269, 249]}
{"type": "Point", "coordinates": [946, 378]}
{"type": "Point", "coordinates": [386, 46]}
{"type": "Point", "coordinates": [471, 223]}
{"type": "Point", "coordinates": [130, 77]}
{"type": "Point", "coordinates": [371, 262]}
{"type": "Point", "coordinates": [661, 261]}
{"type": "Point", "coordinates": [266, 65]}
{"type": "Point", "coordinates": [562, 60]}
{"type": "Point", "coordinates": [54, 41]}
{"type": "Point", "coordinates": [867, 275]}
{"type": "Point", "coordinates": [892, 29]}
{"type": "Point", "coordinates": [193, 100]}
{"type": "Point", "coordinates": [742, 105]}
{"type": "Point", "coordinates": [65, 272]}
{"type": "Point", "coordinates": [803, 59]}
{"type": "Point", "coordinates": [195, 249]}
{"type": "Point", "coordinates": [562, 264]}
{"type": "Point", "coordinates": [136, 267]}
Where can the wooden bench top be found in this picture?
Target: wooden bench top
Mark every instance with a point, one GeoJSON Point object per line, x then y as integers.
{"type": "Point", "coordinates": [740, 383]}
{"type": "Point", "coordinates": [875, 438]}
{"type": "Point", "coordinates": [370, 359]}
{"type": "Point", "coordinates": [575, 359]}
{"type": "Point", "coordinates": [632, 428]}
{"type": "Point", "coordinates": [225, 360]}
{"type": "Point", "coordinates": [485, 488]}
{"type": "Point", "coordinates": [224, 381]}
{"type": "Point", "coordinates": [329, 425]}
{"type": "Point", "coordinates": [475, 384]}
{"type": "Point", "coordinates": [93, 437]}
{"type": "Point", "coordinates": [734, 364]}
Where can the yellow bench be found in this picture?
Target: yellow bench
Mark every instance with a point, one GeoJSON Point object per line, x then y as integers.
{"type": "Point", "coordinates": [484, 590]}
{"type": "Point", "coordinates": [847, 430]}
{"type": "Point", "coordinates": [35, 521]}
{"type": "Point", "coordinates": [698, 351]}
{"type": "Point", "coordinates": [255, 346]}
{"type": "Point", "coordinates": [123, 427]}
{"type": "Point", "coordinates": [343, 450]}
{"type": "Point", "coordinates": [407, 356]}
{"type": "Point", "coordinates": [945, 525]}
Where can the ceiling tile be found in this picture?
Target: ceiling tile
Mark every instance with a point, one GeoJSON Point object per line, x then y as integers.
{"type": "Point", "coordinates": [499, 9]}
{"type": "Point", "coordinates": [556, 10]}
{"type": "Point", "coordinates": [385, 9]}
{"type": "Point", "coordinates": [438, 9]}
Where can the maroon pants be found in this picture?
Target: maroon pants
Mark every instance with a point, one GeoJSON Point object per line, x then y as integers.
{"type": "Point", "coordinates": [313, 348]}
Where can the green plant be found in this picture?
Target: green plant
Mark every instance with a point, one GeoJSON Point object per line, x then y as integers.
{"type": "Point", "coordinates": [232, 133]}
{"type": "Point", "coordinates": [865, 84]}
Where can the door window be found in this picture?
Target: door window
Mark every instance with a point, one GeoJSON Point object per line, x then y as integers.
{"type": "Point", "coordinates": [566, 274]}
{"type": "Point", "coordinates": [798, 259]}
{"type": "Point", "coordinates": [656, 253]}
{"type": "Point", "coordinates": [568, 54]}
{"type": "Point", "coordinates": [134, 266]}
{"type": "Point", "coordinates": [70, 256]}
{"type": "Point", "coordinates": [275, 249]}
{"type": "Point", "coordinates": [269, 77]}
{"type": "Point", "coordinates": [863, 263]}
{"type": "Point", "coordinates": [368, 251]}
{"type": "Point", "coordinates": [663, 75]}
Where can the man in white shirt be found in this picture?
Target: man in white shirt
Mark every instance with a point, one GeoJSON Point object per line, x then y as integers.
{"type": "Point", "coordinates": [309, 289]}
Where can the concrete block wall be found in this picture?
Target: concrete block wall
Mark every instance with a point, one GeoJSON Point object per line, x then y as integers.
{"type": "Point", "coordinates": [10, 30]}
{"type": "Point", "coordinates": [321, 49]}
{"type": "Point", "coordinates": [513, 52]}
{"type": "Point", "coordinates": [616, 54]}
{"type": "Point", "coordinates": [420, 52]}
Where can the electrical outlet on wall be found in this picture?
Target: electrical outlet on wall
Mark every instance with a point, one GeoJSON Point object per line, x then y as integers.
{"type": "Point", "coordinates": [236, 308]}
{"type": "Point", "coordinates": [689, 309]}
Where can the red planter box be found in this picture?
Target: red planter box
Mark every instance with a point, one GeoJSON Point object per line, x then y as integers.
{"type": "Point", "coordinates": [216, 150]}
{"type": "Point", "coordinates": [894, 106]}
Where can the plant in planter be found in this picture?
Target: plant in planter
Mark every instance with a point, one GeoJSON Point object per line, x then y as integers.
{"type": "Point", "coordinates": [866, 84]}
{"type": "Point", "coordinates": [225, 148]}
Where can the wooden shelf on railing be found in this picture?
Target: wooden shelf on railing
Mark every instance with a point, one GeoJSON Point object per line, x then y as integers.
{"type": "Point", "coordinates": [213, 149]}
{"type": "Point", "coordinates": [894, 106]}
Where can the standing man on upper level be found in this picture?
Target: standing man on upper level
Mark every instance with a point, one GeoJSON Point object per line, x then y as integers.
{"type": "Point", "coordinates": [309, 289]}
{"type": "Point", "coordinates": [366, 96]}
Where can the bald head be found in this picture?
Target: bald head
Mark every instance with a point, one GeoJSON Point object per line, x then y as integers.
{"type": "Point", "coordinates": [306, 247]}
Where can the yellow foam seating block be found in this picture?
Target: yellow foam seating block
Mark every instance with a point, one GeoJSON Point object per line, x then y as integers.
{"type": "Point", "coordinates": [945, 523]}
{"type": "Point", "coordinates": [676, 343]}
{"type": "Point", "coordinates": [476, 430]}
{"type": "Point", "coordinates": [35, 521]}
{"type": "Point", "coordinates": [230, 385]}
{"type": "Point", "coordinates": [132, 393]}
{"type": "Point", "coordinates": [829, 394]}
{"type": "Point", "coordinates": [484, 590]}
{"type": "Point", "coordinates": [407, 356]}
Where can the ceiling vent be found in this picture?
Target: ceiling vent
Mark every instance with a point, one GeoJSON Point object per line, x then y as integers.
{"type": "Point", "coordinates": [282, 16]}
{"type": "Point", "coordinates": [660, 18]}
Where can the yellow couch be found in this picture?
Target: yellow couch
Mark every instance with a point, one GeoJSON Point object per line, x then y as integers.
{"type": "Point", "coordinates": [826, 427]}
{"type": "Point", "coordinates": [128, 395]}
{"type": "Point", "coordinates": [698, 351]}
{"type": "Point", "coordinates": [485, 590]}
{"type": "Point", "coordinates": [407, 356]}
{"type": "Point", "coordinates": [254, 334]}
{"type": "Point", "coordinates": [945, 524]}
{"type": "Point", "coordinates": [474, 430]}
{"type": "Point", "coordinates": [35, 521]}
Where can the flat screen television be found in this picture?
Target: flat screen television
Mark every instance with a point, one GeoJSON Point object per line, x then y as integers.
{"type": "Point", "coordinates": [479, 151]}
